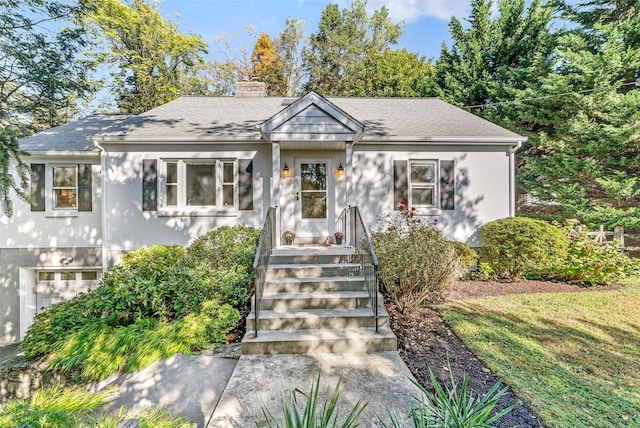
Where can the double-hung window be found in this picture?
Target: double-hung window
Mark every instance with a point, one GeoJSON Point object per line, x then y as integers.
{"type": "Point", "coordinates": [190, 184]}
{"type": "Point", "coordinates": [423, 183]}
{"type": "Point", "coordinates": [64, 187]}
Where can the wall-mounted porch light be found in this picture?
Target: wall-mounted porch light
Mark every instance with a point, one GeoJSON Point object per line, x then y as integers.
{"type": "Point", "coordinates": [285, 170]}
{"type": "Point", "coordinates": [340, 171]}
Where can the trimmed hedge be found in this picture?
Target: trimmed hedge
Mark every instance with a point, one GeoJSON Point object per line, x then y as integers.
{"type": "Point", "coordinates": [518, 247]}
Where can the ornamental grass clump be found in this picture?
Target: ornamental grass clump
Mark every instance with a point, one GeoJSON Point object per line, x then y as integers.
{"type": "Point", "coordinates": [453, 406]}
{"type": "Point", "coordinates": [416, 262]}
{"type": "Point", "coordinates": [314, 414]}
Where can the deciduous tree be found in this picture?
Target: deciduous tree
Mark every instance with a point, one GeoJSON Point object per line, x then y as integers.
{"type": "Point", "coordinates": [268, 66]}
{"type": "Point", "coordinates": [155, 63]}
{"type": "Point", "coordinates": [344, 39]}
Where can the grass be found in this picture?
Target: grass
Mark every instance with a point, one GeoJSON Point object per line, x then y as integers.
{"type": "Point", "coordinates": [99, 350]}
{"type": "Point", "coordinates": [75, 407]}
{"type": "Point", "coordinates": [574, 357]}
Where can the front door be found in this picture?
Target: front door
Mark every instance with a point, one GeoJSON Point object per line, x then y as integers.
{"type": "Point", "coordinates": [314, 198]}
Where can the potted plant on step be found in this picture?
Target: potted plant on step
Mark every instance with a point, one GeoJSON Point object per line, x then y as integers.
{"type": "Point", "coordinates": [288, 236]}
{"type": "Point", "coordinates": [339, 236]}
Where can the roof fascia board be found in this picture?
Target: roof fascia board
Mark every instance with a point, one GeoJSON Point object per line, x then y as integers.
{"type": "Point", "coordinates": [488, 141]}
{"type": "Point", "coordinates": [60, 153]}
{"type": "Point", "coordinates": [119, 139]}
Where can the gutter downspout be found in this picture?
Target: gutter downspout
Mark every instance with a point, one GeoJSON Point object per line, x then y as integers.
{"type": "Point", "coordinates": [512, 178]}
{"type": "Point", "coordinates": [103, 205]}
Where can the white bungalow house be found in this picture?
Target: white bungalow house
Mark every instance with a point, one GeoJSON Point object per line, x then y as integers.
{"type": "Point", "coordinates": [108, 184]}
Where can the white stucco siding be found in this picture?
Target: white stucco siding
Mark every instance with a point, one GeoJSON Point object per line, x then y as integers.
{"type": "Point", "coordinates": [481, 184]}
{"type": "Point", "coordinates": [55, 228]}
{"type": "Point", "coordinates": [128, 227]}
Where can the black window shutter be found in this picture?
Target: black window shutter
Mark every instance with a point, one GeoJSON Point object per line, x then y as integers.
{"type": "Point", "coordinates": [84, 187]}
{"type": "Point", "coordinates": [400, 183]}
{"type": "Point", "coordinates": [37, 186]}
{"type": "Point", "coordinates": [149, 185]}
{"type": "Point", "coordinates": [245, 184]}
{"type": "Point", "coordinates": [447, 185]}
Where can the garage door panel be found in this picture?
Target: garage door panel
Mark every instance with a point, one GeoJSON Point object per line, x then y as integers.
{"type": "Point", "coordinates": [56, 287]}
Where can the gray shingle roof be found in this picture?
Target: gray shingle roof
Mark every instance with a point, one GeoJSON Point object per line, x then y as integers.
{"type": "Point", "coordinates": [73, 136]}
{"type": "Point", "coordinates": [238, 118]}
{"type": "Point", "coordinates": [230, 118]}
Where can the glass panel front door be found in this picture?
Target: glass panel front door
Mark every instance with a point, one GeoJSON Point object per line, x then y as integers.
{"type": "Point", "coordinates": [313, 188]}
{"type": "Point", "coordinates": [313, 197]}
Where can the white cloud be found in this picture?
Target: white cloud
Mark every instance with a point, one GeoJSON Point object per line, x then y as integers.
{"type": "Point", "coordinates": [413, 10]}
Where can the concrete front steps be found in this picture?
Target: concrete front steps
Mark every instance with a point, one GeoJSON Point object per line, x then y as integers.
{"type": "Point", "coordinates": [315, 301]}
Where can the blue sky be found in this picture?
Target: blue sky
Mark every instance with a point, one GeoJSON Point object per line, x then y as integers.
{"type": "Point", "coordinates": [425, 20]}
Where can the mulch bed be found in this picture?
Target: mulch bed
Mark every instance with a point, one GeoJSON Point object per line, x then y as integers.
{"type": "Point", "coordinates": [424, 342]}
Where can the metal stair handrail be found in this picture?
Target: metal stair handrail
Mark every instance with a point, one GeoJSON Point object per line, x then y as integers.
{"type": "Point", "coordinates": [359, 239]}
{"type": "Point", "coordinates": [266, 244]}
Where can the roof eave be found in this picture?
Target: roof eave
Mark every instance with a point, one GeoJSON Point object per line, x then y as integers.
{"type": "Point", "coordinates": [201, 139]}
{"type": "Point", "coordinates": [61, 153]}
{"type": "Point", "coordinates": [489, 141]}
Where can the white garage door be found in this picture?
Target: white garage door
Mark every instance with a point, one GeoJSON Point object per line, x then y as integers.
{"type": "Point", "coordinates": [59, 286]}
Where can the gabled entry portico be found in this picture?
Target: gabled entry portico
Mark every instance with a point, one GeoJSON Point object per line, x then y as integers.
{"type": "Point", "coordinates": [312, 153]}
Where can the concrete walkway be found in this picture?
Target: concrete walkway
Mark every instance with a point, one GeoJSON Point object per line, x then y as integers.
{"type": "Point", "coordinates": [381, 379]}
{"type": "Point", "coordinates": [219, 392]}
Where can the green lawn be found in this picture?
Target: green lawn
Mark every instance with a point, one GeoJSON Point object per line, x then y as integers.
{"type": "Point", "coordinates": [574, 357]}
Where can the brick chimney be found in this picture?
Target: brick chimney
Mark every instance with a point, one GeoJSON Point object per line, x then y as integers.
{"type": "Point", "coordinates": [251, 89]}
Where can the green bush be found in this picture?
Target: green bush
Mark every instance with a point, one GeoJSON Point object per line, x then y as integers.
{"type": "Point", "coordinates": [467, 256]}
{"type": "Point", "coordinates": [155, 282]}
{"type": "Point", "coordinates": [518, 246]}
{"type": "Point", "coordinates": [226, 246]}
{"type": "Point", "coordinates": [100, 349]}
{"type": "Point", "coordinates": [590, 262]}
{"type": "Point", "coordinates": [60, 320]}
{"type": "Point", "coordinates": [152, 287]}
{"type": "Point", "coordinates": [223, 260]}
{"type": "Point", "coordinates": [416, 262]}
{"type": "Point", "coordinates": [485, 272]}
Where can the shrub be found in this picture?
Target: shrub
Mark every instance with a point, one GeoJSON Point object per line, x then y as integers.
{"type": "Point", "coordinates": [158, 301]}
{"type": "Point", "coordinates": [485, 272]}
{"type": "Point", "coordinates": [50, 327]}
{"type": "Point", "coordinates": [517, 246]}
{"type": "Point", "coordinates": [416, 263]}
{"type": "Point", "coordinates": [223, 260]}
{"type": "Point", "coordinates": [468, 258]}
{"type": "Point", "coordinates": [154, 282]}
{"type": "Point", "coordinates": [590, 262]}
{"type": "Point", "coordinates": [226, 246]}
{"type": "Point", "coordinates": [100, 350]}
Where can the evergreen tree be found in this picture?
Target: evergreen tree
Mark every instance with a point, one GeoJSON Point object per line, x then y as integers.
{"type": "Point", "coordinates": [42, 74]}
{"type": "Point", "coordinates": [585, 118]}
{"type": "Point", "coordinates": [493, 57]}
